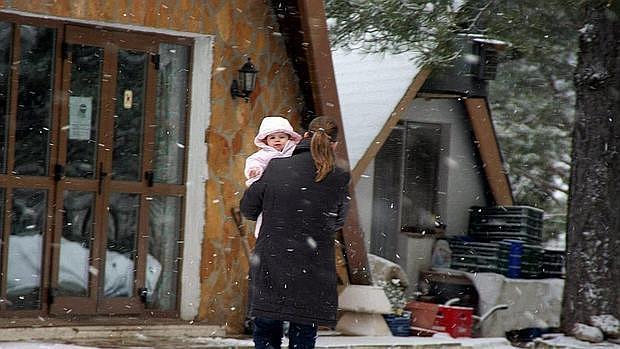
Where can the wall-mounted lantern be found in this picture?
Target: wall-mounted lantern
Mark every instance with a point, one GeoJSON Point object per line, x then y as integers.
{"type": "Point", "coordinates": [246, 83]}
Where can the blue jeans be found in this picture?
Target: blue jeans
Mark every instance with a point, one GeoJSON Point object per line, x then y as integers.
{"type": "Point", "coordinates": [268, 334]}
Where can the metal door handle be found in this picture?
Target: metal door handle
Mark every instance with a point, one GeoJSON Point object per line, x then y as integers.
{"type": "Point", "coordinates": [143, 293]}
{"type": "Point", "coordinates": [150, 178]}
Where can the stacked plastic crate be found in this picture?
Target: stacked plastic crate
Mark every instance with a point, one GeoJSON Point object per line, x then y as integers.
{"type": "Point", "coordinates": [506, 240]}
{"type": "Point", "coordinates": [518, 260]}
{"type": "Point", "coordinates": [506, 222]}
{"type": "Point", "coordinates": [553, 265]}
{"type": "Point", "coordinates": [474, 256]}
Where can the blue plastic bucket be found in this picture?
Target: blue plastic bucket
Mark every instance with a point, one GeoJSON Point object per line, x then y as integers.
{"type": "Point", "coordinates": [514, 271]}
{"type": "Point", "coordinates": [514, 261]}
{"type": "Point", "coordinates": [516, 247]}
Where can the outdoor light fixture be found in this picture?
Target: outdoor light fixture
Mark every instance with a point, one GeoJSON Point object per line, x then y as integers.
{"type": "Point", "coordinates": [246, 83]}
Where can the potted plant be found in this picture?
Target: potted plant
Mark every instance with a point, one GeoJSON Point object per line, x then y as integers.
{"type": "Point", "coordinates": [399, 320]}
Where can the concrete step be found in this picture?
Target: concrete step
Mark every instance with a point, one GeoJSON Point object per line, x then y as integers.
{"type": "Point", "coordinates": [70, 333]}
{"type": "Point", "coordinates": [204, 336]}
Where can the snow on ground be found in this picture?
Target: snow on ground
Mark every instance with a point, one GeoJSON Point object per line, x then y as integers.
{"type": "Point", "coordinates": [223, 342]}
{"type": "Point", "coordinates": [322, 342]}
{"type": "Point", "coordinates": [39, 345]}
{"type": "Point", "coordinates": [573, 343]}
{"type": "Point", "coordinates": [478, 343]}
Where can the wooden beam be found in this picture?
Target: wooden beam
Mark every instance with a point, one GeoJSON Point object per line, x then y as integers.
{"type": "Point", "coordinates": [488, 148]}
{"type": "Point", "coordinates": [325, 97]}
{"type": "Point", "coordinates": [396, 115]}
{"type": "Point", "coordinates": [289, 19]}
{"type": "Point", "coordinates": [431, 95]}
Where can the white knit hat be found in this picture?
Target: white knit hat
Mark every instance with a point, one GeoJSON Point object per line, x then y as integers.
{"type": "Point", "coordinates": [273, 124]}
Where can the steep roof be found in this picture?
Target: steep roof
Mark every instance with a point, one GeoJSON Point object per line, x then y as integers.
{"type": "Point", "coordinates": [374, 92]}
{"type": "Point", "coordinates": [370, 86]}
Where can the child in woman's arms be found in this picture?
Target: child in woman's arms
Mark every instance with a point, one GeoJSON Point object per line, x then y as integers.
{"type": "Point", "coordinates": [276, 139]}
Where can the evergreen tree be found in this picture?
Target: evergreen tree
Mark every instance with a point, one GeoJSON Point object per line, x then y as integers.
{"type": "Point", "coordinates": [593, 237]}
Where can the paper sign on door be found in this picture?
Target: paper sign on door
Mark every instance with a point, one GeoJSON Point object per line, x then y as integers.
{"type": "Point", "coordinates": [80, 116]}
{"type": "Point", "coordinates": [128, 99]}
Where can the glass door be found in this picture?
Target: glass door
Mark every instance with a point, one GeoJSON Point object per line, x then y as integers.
{"type": "Point", "coordinates": [27, 154]}
{"type": "Point", "coordinates": [99, 259]}
{"type": "Point", "coordinates": [93, 129]}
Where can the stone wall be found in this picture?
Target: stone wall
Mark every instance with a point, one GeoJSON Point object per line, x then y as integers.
{"type": "Point", "coordinates": [241, 29]}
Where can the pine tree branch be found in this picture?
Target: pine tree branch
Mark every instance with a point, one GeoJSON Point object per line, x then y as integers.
{"type": "Point", "coordinates": [478, 16]}
{"type": "Point", "coordinates": [546, 186]}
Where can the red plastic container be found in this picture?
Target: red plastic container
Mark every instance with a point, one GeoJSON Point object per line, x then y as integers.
{"type": "Point", "coordinates": [456, 321]}
{"type": "Point", "coordinates": [422, 314]}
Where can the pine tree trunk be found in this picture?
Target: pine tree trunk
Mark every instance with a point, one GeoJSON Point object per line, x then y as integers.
{"type": "Point", "coordinates": [593, 237]}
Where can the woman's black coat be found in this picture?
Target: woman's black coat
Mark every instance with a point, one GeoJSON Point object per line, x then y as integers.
{"type": "Point", "coordinates": [292, 271]}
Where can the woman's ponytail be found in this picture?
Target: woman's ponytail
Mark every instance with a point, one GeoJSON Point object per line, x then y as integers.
{"type": "Point", "coordinates": [324, 132]}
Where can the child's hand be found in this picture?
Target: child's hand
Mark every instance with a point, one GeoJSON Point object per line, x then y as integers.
{"type": "Point", "coordinates": [254, 172]}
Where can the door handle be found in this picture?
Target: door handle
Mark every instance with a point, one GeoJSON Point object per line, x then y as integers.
{"type": "Point", "coordinates": [143, 293]}
{"type": "Point", "coordinates": [51, 294]}
{"type": "Point", "coordinates": [149, 176]}
{"type": "Point", "coordinates": [59, 172]}
{"type": "Point", "coordinates": [102, 175]}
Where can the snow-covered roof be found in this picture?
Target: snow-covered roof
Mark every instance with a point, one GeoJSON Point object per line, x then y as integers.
{"type": "Point", "coordinates": [369, 88]}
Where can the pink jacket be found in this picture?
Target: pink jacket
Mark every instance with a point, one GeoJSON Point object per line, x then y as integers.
{"type": "Point", "coordinates": [259, 160]}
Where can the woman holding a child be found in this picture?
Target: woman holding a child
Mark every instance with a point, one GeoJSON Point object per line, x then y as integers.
{"type": "Point", "coordinates": [303, 200]}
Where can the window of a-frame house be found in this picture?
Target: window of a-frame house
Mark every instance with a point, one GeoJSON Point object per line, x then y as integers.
{"type": "Point", "coordinates": [387, 196]}
{"type": "Point", "coordinates": [405, 185]}
{"type": "Point", "coordinates": [422, 149]}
